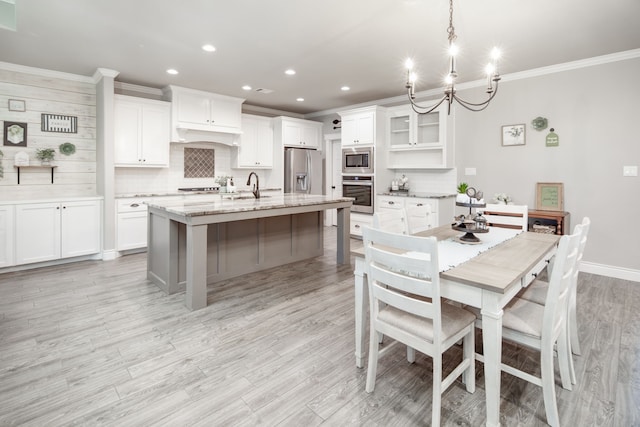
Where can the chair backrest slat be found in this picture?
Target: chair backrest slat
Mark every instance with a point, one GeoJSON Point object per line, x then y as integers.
{"type": "Point", "coordinates": [507, 216]}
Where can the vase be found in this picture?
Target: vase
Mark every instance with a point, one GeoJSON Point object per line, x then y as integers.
{"type": "Point", "coordinates": [45, 162]}
{"type": "Point", "coordinates": [223, 188]}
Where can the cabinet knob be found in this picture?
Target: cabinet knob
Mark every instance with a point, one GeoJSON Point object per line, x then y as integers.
{"type": "Point", "coordinates": [134, 205]}
{"type": "Point", "coordinates": [58, 207]}
{"type": "Point", "coordinates": [419, 204]}
{"type": "Point", "coordinates": [391, 203]}
{"type": "Point", "coordinates": [356, 226]}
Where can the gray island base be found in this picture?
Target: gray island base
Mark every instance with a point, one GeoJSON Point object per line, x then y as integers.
{"type": "Point", "coordinates": [193, 243]}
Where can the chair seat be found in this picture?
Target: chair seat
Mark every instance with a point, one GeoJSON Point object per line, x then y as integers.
{"type": "Point", "coordinates": [524, 316]}
{"type": "Point", "coordinates": [536, 292]}
{"type": "Point", "coordinates": [454, 319]}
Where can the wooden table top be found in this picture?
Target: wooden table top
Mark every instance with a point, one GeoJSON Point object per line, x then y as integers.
{"type": "Point", "coordinates": [498, 268]}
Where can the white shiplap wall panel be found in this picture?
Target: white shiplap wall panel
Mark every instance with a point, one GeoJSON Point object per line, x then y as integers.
{"type": "Point", "coordinates": [75, 175]}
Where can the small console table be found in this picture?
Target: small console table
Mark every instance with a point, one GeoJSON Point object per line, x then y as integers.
{"type": "Point", "coordinates": [549, 219]}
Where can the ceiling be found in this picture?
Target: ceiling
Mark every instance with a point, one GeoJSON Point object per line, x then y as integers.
{"type": "Point", "coordinates": [330, 43]}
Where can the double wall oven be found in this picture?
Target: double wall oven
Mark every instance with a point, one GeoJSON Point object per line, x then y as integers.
{"type": "Point", "coordinates": [357, 178]}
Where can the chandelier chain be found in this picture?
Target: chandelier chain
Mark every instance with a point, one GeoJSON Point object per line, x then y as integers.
{"type": "Point", "coordinates": [451, 31]}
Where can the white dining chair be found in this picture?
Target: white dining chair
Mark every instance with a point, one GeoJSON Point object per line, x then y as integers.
{"type": "Point", "coordinates": [418, 218]}
{"type": "Point", "coordinates": [543, 327]}
{"type": "Point", "coordinates": [391, 220]}
{"type": "Point", "coordinates": [538, 289]}
{"type": "Point", "coordinates": [506, 216]}
{"type": "Point", "coordinates": [405, 305]}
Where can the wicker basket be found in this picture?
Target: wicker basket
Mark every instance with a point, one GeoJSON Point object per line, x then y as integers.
{"type": "Point", "coordinates": [546, 229]}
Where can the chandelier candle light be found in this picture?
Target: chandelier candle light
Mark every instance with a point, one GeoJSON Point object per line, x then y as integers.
{"type": "Point", "coordinates": [450, 90]}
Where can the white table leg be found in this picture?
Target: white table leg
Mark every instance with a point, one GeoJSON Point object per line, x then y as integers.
{"type": "Point", "coordinates": [196, 292]}
{"type": "Point", "coordinates": [492, 348]}
{"type": "Point", "coordinates": [361, 301]}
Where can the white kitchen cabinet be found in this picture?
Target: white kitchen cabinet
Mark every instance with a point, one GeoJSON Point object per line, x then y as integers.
{"type": "Point", "coordinates": [255, 150]}
{"type": "Point", "coordinates": [141, 132]}
{"type": "Point", "coordinates": [54, 230]}
{"type": "Point", "coordinates": [362, 126]}
{"type": "Point", "coordinates": [436, 210]}
{"type": "Point", "coordinates": [205, 111]}
{"type": "Point", "coordinates": [131, 224]}
{"type": "Point", "coordinates": [6, 236]}
{"type": "Point", "coordinates": [419, 141]}
{"type": "Point", "coordinates": [292, 132]}
{"type": "Point", "coordinates": [358, 221]}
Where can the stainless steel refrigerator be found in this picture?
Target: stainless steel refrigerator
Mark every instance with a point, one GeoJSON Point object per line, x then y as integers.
{"type": "Point", "coordinates": [302, 171]}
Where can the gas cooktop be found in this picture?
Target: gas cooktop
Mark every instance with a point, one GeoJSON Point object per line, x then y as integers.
{"type": "Point", "coordinates": [200, 189]}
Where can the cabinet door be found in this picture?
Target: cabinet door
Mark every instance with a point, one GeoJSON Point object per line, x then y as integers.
{"type": "Point", "coordinates": [80, 231]}
{"type": "Point", "coordinates": [310, 136]}
{"type": "Point", "coordinates": [248, 140]}
{"type": "Point", "coordinates": [420, 214]}
{"type": "Point", "coordinates": [127, 133]}
{"type": "Point", "coordinates": [6, 236]}
{"type": "Point", "coordinates": [37, 232]}
{"type": "Point", "coordinates": [132, 230]}
{"type": "Point", "coordinates": [264, 144]}
{"type": "Point", "coordinates": [292, 134]}
{"type": "Point", "coordinates": [400, 134]}
{"type": "Point", "coordinates": [193, 108]}
{"type": "Point", "coordinates": [358, 129]}
{"type": "Point", "coordinates": [349, 133]}
{"type": "Point", "coordinates": [155, 135]}
{"type": "Point", "coordinates": [226, 113]}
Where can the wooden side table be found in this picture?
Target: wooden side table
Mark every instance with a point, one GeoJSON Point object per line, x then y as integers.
{"type": "Point", "coordinates": [557, 219]}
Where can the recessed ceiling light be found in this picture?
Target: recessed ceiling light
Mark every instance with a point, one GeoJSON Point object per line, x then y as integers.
{"type": "Point", "coordinates": [290, 72]}
{"type": "Point", "coordinates": [246, 87]}
{"type": "Point", "coordinates": [345, 88]}
{"type": "Point", "coordinates": [209, 48]}
{"type": "Point", "coordinates": [172, 71]}
{"type": "Point", "coordinates": [299, 99]}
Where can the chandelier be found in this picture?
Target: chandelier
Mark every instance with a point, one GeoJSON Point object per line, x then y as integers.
{"type": "Point", "coordinates": [493, 78]}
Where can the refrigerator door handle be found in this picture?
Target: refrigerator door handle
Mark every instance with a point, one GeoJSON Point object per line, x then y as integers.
{"type": "Point", "coordinates": [309, 173]}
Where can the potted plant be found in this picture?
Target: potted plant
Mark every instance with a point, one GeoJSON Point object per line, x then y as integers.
{"type": "Point", "coordinates": [462, 196]}
{"type": "Point", "coordinates": [45, 155]}
{"type": "Point", "coordinates": [222, 182]}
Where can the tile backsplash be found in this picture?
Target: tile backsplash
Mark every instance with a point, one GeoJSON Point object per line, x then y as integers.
{"type": "Point", "coordinates": [199, 162]}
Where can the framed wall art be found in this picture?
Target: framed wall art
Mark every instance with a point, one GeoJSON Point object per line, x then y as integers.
{"type": "Point", "coordinates": [17, 105]}
{"type": "Point", "coordinates": [549, 196]}
{"type": "Point", "coordinates": [513, 135]}
{"type": "Point", "coordinates": [15, 134]}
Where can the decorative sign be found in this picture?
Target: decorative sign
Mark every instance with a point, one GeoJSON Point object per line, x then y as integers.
{"type": "Point", "coordinates": [57, 123]}
{"type": "Point", "coordinates": [552, 139]}
{"type": "Point", "coordinates": [15, 134]}
{"type": "Point", "coordinates": [549, 196]}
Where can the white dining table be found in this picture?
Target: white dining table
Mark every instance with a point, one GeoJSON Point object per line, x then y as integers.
{"type": "Point", "coordinates": [488, 281]}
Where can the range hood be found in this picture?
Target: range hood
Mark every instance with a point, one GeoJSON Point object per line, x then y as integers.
{"type": "Point", "coordinates": [184, 135]}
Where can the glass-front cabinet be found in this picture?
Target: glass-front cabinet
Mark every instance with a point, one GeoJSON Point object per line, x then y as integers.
{"type": "Point", "coordinates": [419, 141]}
{"type": "Point", "coordinates": [407, 129]}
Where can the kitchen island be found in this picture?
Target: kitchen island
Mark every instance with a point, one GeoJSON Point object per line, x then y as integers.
{"type": "Point", "coordinates": [193, 243]}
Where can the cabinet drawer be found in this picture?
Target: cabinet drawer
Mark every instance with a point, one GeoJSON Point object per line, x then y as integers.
{"type": "Point", "coordinates": [536, 270]}
{"type": "Point", "coordinates": [390, 202]}
{"type": "Point", "coordinates": [357, 224]}
{"type": "Point", "coordinates": [426, 204]}
{"type": "Point", "coordinates": [132, 205]}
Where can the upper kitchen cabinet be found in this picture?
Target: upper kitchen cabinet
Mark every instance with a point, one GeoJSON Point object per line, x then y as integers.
{"type": "Point", "coordinates": [255, 149]}
{"type": "Point", "coordinates": [141, 132]}
{"type": "Point", "coordinates": [203, 111]}
{"type": "Point", "coordinates": [361, 126]}
{"type": "Point", "coordinates": [419, 141]}
{"type": "Point", "coordinates": [299, 133]}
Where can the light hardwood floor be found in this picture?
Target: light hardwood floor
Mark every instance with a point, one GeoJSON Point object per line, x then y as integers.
{"type": "Point", "coordinates": [93, 343]}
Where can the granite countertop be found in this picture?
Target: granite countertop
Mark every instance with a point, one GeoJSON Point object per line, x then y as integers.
{"type": "Point", "coordinates": [215, 204]}
{"type": "Point", "coordinates": [188, 193]}
{"type": "Point", "coordinates": [425, 195]}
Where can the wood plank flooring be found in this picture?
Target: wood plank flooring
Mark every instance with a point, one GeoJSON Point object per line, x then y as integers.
{"type": "Point", "coordinates": [93, 343]}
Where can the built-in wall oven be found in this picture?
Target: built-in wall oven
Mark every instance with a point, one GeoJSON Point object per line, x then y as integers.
{"type": "Point", "coordinates": [357, 160]}
{"type": "Point", "coordinates": [360, 187]}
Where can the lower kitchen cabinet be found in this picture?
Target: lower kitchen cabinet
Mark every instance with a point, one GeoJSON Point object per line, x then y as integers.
{"type": "Point", "coordinates": [6, 235]}
{"type": "Point", "coordinates": [437, 210]}
{"type": "Point", "coordinates": [131, 224]}
{"type": "Point", "coordinates": [55, 230]}
{"type": "Point", "coordinates": [358, 222]}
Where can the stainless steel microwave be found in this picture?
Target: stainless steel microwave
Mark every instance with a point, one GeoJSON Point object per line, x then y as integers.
{"type": "Point", "coordinates": [357, 160]}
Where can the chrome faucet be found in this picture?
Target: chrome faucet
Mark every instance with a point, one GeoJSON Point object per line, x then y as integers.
{"type": "Point", "coordinates": [256, 187]}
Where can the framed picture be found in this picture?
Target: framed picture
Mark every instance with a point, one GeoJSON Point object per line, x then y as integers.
{"type": "Point", "coordinates": [513, 135]}
{"type": "Point", "coordinates": [17, 105]}
{"type": "Point", "coordinates": [15, 134]}
{"type": "Point", "coordinates": [549, 196]}
{"type": "Point", "coordinates": [58, 123]}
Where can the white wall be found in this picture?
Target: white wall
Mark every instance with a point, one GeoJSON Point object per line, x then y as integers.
{"type": "Point", "coordinates": [75, 175]}
{"type": "Point", "coordinates": [594, 111]}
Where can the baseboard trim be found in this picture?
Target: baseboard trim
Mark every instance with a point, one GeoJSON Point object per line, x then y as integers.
{"type": "Point", "coordinates": [610, 271]}
{"type": "Point", "coordinates": [109, 255]}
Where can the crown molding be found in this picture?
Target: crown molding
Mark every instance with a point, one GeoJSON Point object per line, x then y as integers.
{"type": "Point", "coordinates": [527, 74]}
{"type": "Point", "coordinates": [45, 73]}
{"type": "Point", "coordinates": [139, 89]}
{"type": "Point", "coordinates": [248, 108]}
